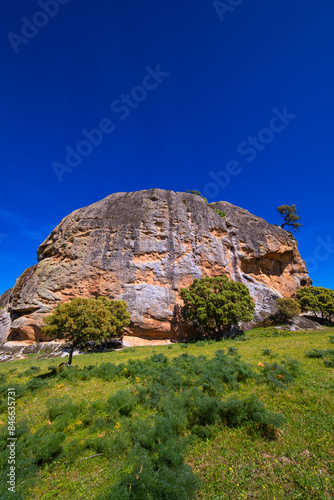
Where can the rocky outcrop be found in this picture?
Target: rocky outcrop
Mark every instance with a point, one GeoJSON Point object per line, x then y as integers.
{"type": "Point", "coordinates": [303, 323]}
{"type": "Point", "coordinates": [4, 325]}
{"type": "Point", "coordinates": [143, 247]}
{"type": "Point", "coordinates": [4, 298]}
{"type": "Point", "coordinates": [4, 316]}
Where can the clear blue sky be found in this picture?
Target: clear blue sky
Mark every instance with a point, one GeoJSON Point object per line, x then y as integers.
{"type": "Point", "coordinates": [226, 75]}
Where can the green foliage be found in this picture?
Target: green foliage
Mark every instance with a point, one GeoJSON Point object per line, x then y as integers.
{"type": "Point", "coordinates": [288, 307]}
{"type": "Point", "coordinates": [268, 352]}
{"type": "Point", "coordinates": [158, 470]}
{"type": "Point", "coordinates": [198, 193]}
{"type": "Point", "coordinates": [290, 216]}
{"type": "Point", "coordinates": [277, 376]}
{"type": "Point", "coordinates": [170, 403]}
{"type": "Point", "coordinates": [83, 320]}
{"type": "Point", "coordinates": [315, 353]}
{"type": "Point", "coordinates": [35, 384]}
{"type": "Point", "coordinates": [59, 407]}
{"type": "Point", "coordinates": [322, 354]}
{"type": "Point", "coordinates": [215, 304]}
{"type": "Point", "coordinates": [45, 445]}
{"type": "Point", "coordinates": [232, 351]}
{"type": "Point", "coordinates": [317, 299]}
{"type": "Point", "coordinates": [122, 403]}
{"type": "Point", "coordinates": [331, 339]}
{"type": "Point", "coordinates": [30, 371]}
{"type": "Point", "coordinates": [87, 319]}
{"type": "Point", "coordinates": [293, 366]}
{"type": "Point", "coordinates": [235, 413]}
{"type": "Point", "coordinates": [220, 212]}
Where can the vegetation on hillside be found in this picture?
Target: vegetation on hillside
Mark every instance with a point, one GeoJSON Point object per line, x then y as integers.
{"type": "Point", "coordinates": [177, 422]}
{"type": "Point", "coordinates": [86, 319]}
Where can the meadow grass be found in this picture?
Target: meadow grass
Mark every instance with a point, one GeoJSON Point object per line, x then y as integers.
{"type": "Point", "coordinates": [167, 415]}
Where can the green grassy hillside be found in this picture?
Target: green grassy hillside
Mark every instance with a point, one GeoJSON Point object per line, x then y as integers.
{"type": "Point", "coordinates": [211, 420]}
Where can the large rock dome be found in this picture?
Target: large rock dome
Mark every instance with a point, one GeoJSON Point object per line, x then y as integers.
{"type": "Point", "coordinates": [143, 247]}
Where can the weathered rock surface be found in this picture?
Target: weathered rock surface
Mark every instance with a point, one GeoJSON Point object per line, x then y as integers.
{"type": "Point", "coordinates": [143, 247]}
{"type": "Point", "coordinates": [4, 325]}
{"type": "Point", "coordinates": [303, 323]}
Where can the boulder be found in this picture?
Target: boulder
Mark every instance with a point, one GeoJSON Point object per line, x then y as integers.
{"type": "Point", "coordinates": [303, 323]}
{"type": "Point", "coordinates": [143, 247]}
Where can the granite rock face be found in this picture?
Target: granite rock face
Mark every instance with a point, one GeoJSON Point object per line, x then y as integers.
{"type": "Point", "coordinates": [143, 247]}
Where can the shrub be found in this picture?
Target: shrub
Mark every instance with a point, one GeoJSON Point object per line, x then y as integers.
{"type": "Point", "coordinates": [45, 445]}
{"type": "Point", "coordinates": [277, 376]}
{"type": "Point", "coordinates": [201, 408]}
{"type": "Point", "coordinates": [59, 406]}
{"type": "Point", "coordinates": [30, 371]}
{"type": "Point", "coordinates": [268, 352]}
{"type": "Point", "coordinates": [157, 466]}
{"type": "Point", "coordinates": [34, 384]}
{"type": "Point", "coordinates": [315, 353]}
{"type": "Point", "coordinates": [293, 366]}
{"type": "Point", "coordinates": [288, 308]}
{"type": "Point", "coordinates": [220, 212]}
{"type": "Point", "coordinates": [121, 403]}
{"type": "Point", "coordinates": [235, 413]}
{"type": "Point", "coordinates": [215, 304]}
{"type": "Point", "coordinates": [173, 409]}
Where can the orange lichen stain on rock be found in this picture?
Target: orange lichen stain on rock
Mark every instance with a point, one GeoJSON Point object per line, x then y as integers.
{"type": "Point", "coordinates": [145, 275]}
{"type": "Point", "coordinates": [218, 232]}
{"type": "Point", "coordinates": [211, 268]}
{"type": "Point", "coordinates": [148, 257]}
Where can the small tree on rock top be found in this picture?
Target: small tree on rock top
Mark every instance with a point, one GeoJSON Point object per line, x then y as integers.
{"type": "Point", "coordinates": [290, 216]}
{"type": "Point", "coordinates": [86, 319]}
{"type": "Point", "coordinates": [215, 304]}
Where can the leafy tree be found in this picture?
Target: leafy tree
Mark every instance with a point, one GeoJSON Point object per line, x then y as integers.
{"type": "Point", "coordinates": [317, 299]}
{"type": "Point", "coordinates": [290, 216]}
{"type": "Point", "coordinates": [288, 307]}
{"type": "Point", "coordinates": [86, 319]}
{"type": "Point", "coordinates": [215, 304]}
